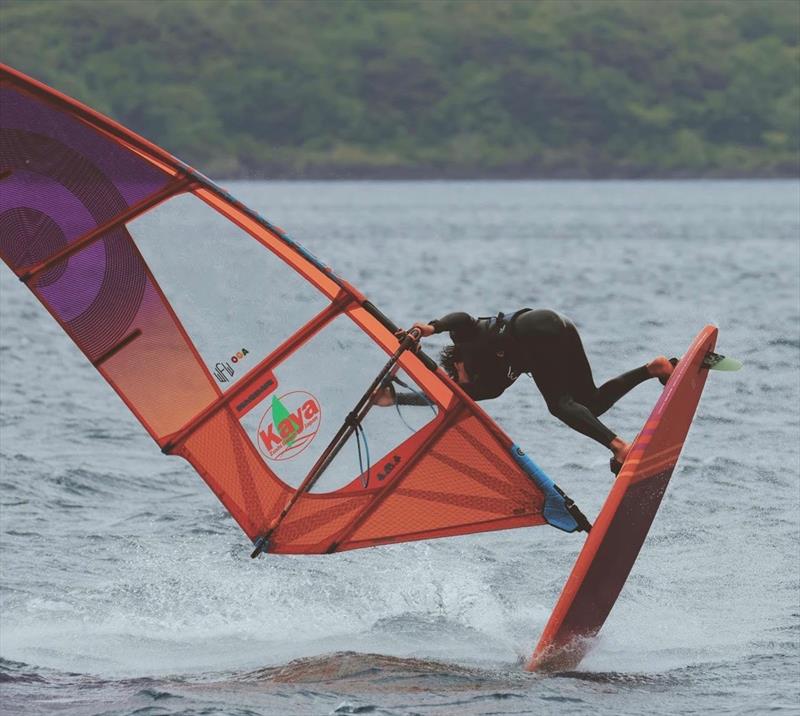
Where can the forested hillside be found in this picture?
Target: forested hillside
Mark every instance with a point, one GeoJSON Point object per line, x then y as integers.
{"type": "Point", "coordinates": [444, 88]}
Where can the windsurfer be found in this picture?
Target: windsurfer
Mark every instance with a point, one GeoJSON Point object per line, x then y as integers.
{"type": "Point", "coordinates": [489, 354]}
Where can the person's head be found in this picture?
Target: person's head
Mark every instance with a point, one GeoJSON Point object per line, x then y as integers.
{"type": "Point", "coordinates": [453, 362]}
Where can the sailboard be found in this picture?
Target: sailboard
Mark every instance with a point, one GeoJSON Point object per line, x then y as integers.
{"type": "Point", "coordinates": [620, 529]}
{"type": "Point", "coordinates": [240, 351]}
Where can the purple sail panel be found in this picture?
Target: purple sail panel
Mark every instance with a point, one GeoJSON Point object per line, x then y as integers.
{"type": "Point", "coordinates": [61, 179]}
{"type": "Point", "coordinates": [96, 292]}
{"type": "Point", "coordinates": [105, 298]}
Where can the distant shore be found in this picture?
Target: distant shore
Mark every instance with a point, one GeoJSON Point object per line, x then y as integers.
{"type": "Point", "coordinates": [369, 173]}
{"type": "Point", "coordinates": [455, 89]}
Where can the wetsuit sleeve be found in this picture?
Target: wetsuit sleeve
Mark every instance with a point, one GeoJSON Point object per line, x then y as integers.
{"type": "Point", "coordinates": [410, 399]}
{"type": "Point", "coordinates": [479, 391]}
{"type": "Point", "coordinates": [488, 385]}
{"type": "Point", "coordinates": [462, 326]}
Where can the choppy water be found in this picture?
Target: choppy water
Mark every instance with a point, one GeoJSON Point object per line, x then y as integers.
{"type": "Point", "coordinates": [127, 589]}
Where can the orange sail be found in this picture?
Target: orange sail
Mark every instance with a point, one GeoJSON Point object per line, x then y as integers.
{"type": "Point", "coordinates": [237, 349]}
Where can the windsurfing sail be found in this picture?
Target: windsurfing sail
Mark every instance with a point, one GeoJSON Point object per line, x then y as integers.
{"type": "Point", "coordinates": [240, 351]}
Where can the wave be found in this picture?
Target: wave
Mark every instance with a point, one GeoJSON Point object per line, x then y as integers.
{"type": "Point", "coordinates": [18, 672]}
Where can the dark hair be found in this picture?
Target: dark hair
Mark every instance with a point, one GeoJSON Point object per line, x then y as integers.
{"type": "Point", "coordinates": [447, 359]}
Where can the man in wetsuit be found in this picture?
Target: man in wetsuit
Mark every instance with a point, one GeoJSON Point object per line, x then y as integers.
{"type": "Point", "coordinates": [489, 354]}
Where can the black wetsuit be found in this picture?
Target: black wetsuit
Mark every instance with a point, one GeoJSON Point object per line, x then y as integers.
{"type": "Point", "coordinates": [547, 346]}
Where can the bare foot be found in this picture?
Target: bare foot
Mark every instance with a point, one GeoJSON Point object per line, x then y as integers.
{"type": "Point", "coordinates": [660, 367]}
{"type": "Point", "coordinates": [620, 449]}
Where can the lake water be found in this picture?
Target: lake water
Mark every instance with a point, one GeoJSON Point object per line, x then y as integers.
{"type": "Point", "coordinates": [127, 589]}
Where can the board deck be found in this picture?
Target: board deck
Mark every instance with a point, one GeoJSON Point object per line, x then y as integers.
{"type": "Point", "coordinates": [621, 527]}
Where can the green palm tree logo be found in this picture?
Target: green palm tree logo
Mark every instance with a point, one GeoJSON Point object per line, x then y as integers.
{"type": "Point", "coordinates": [279, 414]}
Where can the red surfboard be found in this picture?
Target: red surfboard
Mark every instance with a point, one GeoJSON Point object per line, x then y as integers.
{"type": "Point", "coordinates": [624, 521]}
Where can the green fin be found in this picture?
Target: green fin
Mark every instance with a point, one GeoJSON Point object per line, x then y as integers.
{"type": "Point", "coordinates": [715, 361]}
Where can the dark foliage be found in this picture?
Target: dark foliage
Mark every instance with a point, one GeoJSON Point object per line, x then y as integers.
{"type": "Point", "coordinates": [433, 87]}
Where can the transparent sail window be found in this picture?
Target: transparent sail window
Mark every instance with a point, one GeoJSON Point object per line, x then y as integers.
{"type": "Point", "coordinates": [235, 298]}
{"type": "Point", "coordinates": [315, 389]}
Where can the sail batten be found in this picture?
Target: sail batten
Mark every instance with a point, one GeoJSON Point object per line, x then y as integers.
{"type": "Point", "coordinates": [249, 390]}
{"type": "Point", "coordinates": [95, 234]}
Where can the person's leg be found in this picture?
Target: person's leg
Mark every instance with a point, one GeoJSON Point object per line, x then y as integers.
{"type": "Point", "coordinates": [550, 369]}
{"type": "Point", "coordinates": [611, 391]}
{"type": "Point", "coordinates": [562, 372]}
{"type": "Point", "coordinates": [581, 382]}
{"type": "Point", "coordinates": [558, 364]}
{"type": "Point", "coordinates": [580, 418]}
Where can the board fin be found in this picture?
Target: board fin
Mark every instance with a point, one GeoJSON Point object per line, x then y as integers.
{"type": "Point", "coordinates": [715, 361]}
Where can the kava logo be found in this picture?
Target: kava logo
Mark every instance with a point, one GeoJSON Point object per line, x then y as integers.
{"type": "Point", "coordinates": [289, 426]}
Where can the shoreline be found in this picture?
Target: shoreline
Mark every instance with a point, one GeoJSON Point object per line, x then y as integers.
{"type": "Point", "coordinates": [361, 173]}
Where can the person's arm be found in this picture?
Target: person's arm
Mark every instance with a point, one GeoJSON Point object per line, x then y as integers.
{"type": "Point", "coordinates": [481, 391]}
{"type": "Point", "coordinates": [461, 326]}
{"type": "Point", "coordinates": [459, 322]}
{"type": "Point", "coordinates": [404, 398]}
{"type": "Point", "coordinates": [389, 396]}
